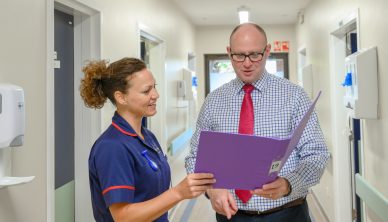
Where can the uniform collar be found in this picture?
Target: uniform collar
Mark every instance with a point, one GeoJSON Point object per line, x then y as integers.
{"type": "Point", "coordinates": [260, 84]}
{"type": "Point", "coordinates": [122, 125]}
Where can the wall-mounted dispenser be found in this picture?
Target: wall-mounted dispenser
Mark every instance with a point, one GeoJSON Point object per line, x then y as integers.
{"type": "Point", "coordinates": [11, 130]}
{"type": "Point", "coordinates": [361, 96]}
{"type": "Point", "coordinates": [11, 116]}
{"type": "Point", "coordinates": [190, 84]}
{"type": "Point", "coordinates": [187, 95]}
{"type": "Point", "coordinates": [181, 87]}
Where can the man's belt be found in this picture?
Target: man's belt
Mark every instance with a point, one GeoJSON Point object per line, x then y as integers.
{"type": "Point", "coordinates": [293, 203]}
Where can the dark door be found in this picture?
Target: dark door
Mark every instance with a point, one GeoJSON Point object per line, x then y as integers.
{"type": "Point", "coordinates": [218, 71]}
{"type": "Point", "coordinates": [64, 99]}
{"type": "Point", "coordinates": [277, 64]}
{"type": "Point", "coordinates": [64, 116]}
{"type": "Point", "coordinates": [351, 47]}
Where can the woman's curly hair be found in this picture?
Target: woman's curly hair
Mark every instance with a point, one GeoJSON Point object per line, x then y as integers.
{"type": "Point", "coordinates": [101, 80]}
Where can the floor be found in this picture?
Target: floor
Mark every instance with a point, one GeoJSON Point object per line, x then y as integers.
{"type": "Point", "coordinates": [183, 211]}
{"type": "Point", "coordinates": [200, 209]}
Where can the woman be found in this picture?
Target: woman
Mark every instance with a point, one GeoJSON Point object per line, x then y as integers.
{"type": "Point", "coordinates": [128, 172]}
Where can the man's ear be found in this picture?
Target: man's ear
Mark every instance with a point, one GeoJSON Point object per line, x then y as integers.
{"type": "Point", "coordinates": [120, 98]}
{"type": "Point", "coordinates": [228, 50]}
{"type": "Point", "coordinates": [268, 49]}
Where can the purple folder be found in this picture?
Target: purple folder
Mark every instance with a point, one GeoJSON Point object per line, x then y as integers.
{"type": "Point", "coordinates": [246, 162]}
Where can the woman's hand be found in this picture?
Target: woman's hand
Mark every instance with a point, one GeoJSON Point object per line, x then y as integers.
{"type": "Point", "coordinates": [194, 185]}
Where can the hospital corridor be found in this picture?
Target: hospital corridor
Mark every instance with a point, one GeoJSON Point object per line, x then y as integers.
{"type": "Point", "coordinates": [99, 99]}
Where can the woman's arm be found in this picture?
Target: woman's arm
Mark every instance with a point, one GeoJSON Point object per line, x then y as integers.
{"type": "Point", "coordinates": [190, 187]}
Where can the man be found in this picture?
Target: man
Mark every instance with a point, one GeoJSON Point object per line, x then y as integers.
{"type": "Point", "coordinates": [260, 103]}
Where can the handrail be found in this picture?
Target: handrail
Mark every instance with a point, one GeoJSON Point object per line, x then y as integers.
{"type": "Point", "coordinates": [372, 197]}
{"type": "Point", "coordinates": [179, 141]}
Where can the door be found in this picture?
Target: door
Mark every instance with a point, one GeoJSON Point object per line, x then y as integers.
{"type": "Point", "coordinates": [152, 52]}
{"type": "Point", "coordinates": [64, 116]}
{"type": "Point", "coordinates": [218, 71]}
{"type": "Point", "coordinates": [355, 138]}
{"type": "Point", "coordinates": [277, 64]}
{"type": "Point", "coordinates": [347, 158]}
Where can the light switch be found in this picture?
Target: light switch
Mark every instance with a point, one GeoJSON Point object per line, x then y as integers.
{"type": "Point", "coordinates": [57, 64]}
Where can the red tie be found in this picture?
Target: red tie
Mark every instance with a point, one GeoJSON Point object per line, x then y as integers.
{"type": "Point", "coordinates": [246, 127]}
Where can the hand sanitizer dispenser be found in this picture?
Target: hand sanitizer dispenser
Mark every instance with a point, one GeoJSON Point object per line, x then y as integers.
{"type": "Point", "coordinates": [190, 89]}
{"type": "Point", "coordinates": [11, 115]}
{"type": "Point", "coordinates": [361, 97]}
{"type": "Point", "coordinates": [11, 131]}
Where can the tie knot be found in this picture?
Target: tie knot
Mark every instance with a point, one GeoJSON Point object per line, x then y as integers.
{"type": "Point", "coordinates": [248, 88]}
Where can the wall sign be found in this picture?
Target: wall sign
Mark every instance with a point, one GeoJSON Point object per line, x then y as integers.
{"type": "Point", "coordinates": [281, 46]}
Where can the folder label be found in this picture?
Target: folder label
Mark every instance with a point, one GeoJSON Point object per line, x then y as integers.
{"type": "Point", "coordinates": [275, 166]}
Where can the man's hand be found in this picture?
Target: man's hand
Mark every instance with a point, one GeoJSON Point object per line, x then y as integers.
{"type": "Point", "coordinates": [275, 190]}
{"type": "Point", "coordinates": [222, 202]}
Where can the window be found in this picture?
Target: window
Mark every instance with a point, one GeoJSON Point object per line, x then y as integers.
{"type": "Point", "coordinates": [219, 69]}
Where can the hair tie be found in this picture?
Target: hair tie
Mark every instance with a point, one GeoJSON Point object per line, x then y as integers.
{"type": "Point", "coordinates": [99, 87]}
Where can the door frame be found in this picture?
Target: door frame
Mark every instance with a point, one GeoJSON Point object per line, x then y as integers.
{"type": "Point", "coordinates": [87, 44]}
{"type": "Point", "coordinates": [156, 123]}
{"type": "Point", "coordinates": [342, 169]}
{"type": "Point", "coordinates": [217, 56]}
{"type": "Point", "coordinates": [285, 57]}
{"type": "Point", "coordinates": [207, 58]}
{"type": "Point", "coordinates": [302, 62]}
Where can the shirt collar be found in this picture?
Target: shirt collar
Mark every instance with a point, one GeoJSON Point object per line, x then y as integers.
{"type": "Point", "coordinates": [260, 84]}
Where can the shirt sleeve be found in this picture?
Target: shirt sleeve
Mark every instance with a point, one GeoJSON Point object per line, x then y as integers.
{"type": "Point", "coordinates": [203, 123]}
{"type": "Point", "coordinates": [311, 151]}
{"type": "Point", "coordinates": [115, 170]}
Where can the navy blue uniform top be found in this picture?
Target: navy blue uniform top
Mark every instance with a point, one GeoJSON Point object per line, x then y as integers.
{"type": "Point", "coordinates": [120, 173]}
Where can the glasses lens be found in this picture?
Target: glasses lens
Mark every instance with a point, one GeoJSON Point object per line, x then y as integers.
{"type": "Point", "coordinates": [255, 57]}
{"type": "Point", "coordinates": [238, 57]}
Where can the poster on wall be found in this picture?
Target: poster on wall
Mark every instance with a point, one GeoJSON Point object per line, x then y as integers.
{"type": "Point", "coordinates": [285, 45]}
{"type": "Point", "coordinates": [277, 46]}
{"type": "Point", "coordinates": [281, 46]}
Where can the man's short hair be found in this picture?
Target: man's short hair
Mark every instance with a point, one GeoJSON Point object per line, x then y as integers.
{"type": "Point", "coordinates": [259, 28]}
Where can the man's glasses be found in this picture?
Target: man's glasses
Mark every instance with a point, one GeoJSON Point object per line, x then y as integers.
{"type": "Point", "coordinates": [253, 57]}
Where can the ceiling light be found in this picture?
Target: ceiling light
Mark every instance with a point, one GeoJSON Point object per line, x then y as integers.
{"type": "Point", "coordinates": [243, 14]}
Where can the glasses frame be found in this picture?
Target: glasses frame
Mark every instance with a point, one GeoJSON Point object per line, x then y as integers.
{"type": "Point", "coordinates": [250, 59]}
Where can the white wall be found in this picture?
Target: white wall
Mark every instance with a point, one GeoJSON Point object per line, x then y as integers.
{"type": "Point", "coordinates": [23, 62]}
{"type": "Point", "coordinates": [314, 34]}
{"type": "Point", "coordinates": [214, 40]}
{"type": "Point", "coordinates": [120, 24]}
{"type": "Point", "coordinates": [320, 17]}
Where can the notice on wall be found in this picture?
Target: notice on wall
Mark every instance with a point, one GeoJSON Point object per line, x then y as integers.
{"type": "Point", "coordinates": [285, 45]}
{"type": "Point", "coordinates": [281, 46]}
{"type": "Point", "coordinates": [277, 46]}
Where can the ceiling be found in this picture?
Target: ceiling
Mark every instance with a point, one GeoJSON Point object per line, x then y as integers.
{"type": "Point", "coordinates": [224, 12]}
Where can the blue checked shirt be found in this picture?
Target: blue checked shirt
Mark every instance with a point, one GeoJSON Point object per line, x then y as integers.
{"type": "Point", "coordinates": [279, 105]}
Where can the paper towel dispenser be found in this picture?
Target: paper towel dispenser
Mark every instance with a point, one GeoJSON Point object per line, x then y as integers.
{"type": "Point", "coordinates": [11, 131]}
{"type": "Point", "coordinates": [11, 115]}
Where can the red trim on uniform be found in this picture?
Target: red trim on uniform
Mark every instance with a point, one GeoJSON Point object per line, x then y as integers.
{"type": "Point", "coordinates": [123, 131]}
{"type": "Point", "coordinates": [117, 187]}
